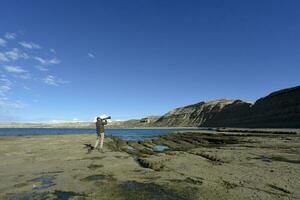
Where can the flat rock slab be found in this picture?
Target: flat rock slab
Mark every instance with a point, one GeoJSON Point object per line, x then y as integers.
{"type": "Point", "coordinates": [194, 166]}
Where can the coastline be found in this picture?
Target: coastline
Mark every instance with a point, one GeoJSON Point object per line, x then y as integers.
{"type": "Point", "coordinates": [125, 133]}
{"type": "Point", "coordinates": [91, 127]}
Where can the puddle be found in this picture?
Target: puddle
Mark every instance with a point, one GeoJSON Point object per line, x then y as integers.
{"type": "Point", "coordinates": [43, 182]}
{"type": "Point", "coordinates": [282, 159]}
{"type": "Point", "coordinates": [93, 166]}
{"type": "Point", "coordinates": [20, 185]}
{"type": "Point", "coordinates": [147, 149]}
{"type": "Point", "coordinates": [279, 189]}
{"type": "Point", "coordinates": [64, 195]}
{"type": "Point", "coordinates": [160, 148]}
{"type": "Point", "coordinates": [265, 159]}
{"type": "Point", "coordinates": [52, 172]}
{"type": "Point", "coordinates": [146, 191]}
{"type": "Point", "coordinates": [130, 148]}
{"type": "Point", "coordinates": [278, 158]}
{"type": "Point", "coordinates": [97, 177]}
{"type": "Point", "coordinates": [133, 185]}
{"type": "Point", "coordinates": [191, 180]}
{"type": "Point", "coordinates": [93, 158]}
{"type": "Point", "coordinates": [28, 196]}
{"type": "Point", "coordinates": [122, 157]}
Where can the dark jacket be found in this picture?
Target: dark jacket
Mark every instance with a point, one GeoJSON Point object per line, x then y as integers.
{"type": "Point", "coordinates": [100, 126]}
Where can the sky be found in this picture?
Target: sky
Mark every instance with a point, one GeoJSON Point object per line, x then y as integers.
{"type": "Point", "coordinates": [74, 60]}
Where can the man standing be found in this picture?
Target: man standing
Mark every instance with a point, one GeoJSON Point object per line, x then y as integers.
{"type": "Point", "coordinates": [100, 132]}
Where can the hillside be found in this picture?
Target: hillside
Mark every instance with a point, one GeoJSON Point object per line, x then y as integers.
{"type": "Point", "coordinates": [193, 115]}
{"type": "Point", "coordinates": [280, 109]}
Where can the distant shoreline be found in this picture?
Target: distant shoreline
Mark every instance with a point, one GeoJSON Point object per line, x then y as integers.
{"type": "Point", "coordinates": [127, 134]}
{"type": "Point", "coordinates": [219, 129]}
{"type": "Point", "coordinates": [138, 133]}
{"type": "Point", "coordinates": [107, 127]}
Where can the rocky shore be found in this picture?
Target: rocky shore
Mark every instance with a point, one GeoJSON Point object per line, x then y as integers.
{"type": "Point", "coordinates": [211, 164]}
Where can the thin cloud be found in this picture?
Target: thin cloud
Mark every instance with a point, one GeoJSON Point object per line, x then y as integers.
{"type": "Point", "coordinates": [57, 121]}
{"type": "Point", "coordinates": [10, 36]}
{"type": "Point", "coordinates": [3, 58]}
{"type": "Point", "coordinates": [23, 76]}
{"type": "Point", "coordinates": [12, 55]}
{"type": "Point", "coordinates": [26, 88]}
{"type": "Point", "coordinates": [15, 54]}
{"type": "Point", "coordinates": [54, 81]}
{"type": "Point", "coordinates": [14, 69]}
{"type": "Point", "coordinates": [6, 104]}
{"type": "Point", "coordinates": [30, 45]}
{"type": "Point", "coordinates": [5, 86]}
{"type": "Point", "coordinates": [4, 89]}
{"type": "Point", "coordinates": [2, 42]}
{"type": "Point", "coordinates": [43, 61]}
{"type": "Point", "coordinates": [17, 72]}
{"type": "Point", "coordinates": [41, 68]}
{"type": "Point", "coordinates": [90, 55]}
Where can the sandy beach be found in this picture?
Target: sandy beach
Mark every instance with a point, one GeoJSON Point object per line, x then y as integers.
{"type": "Point", "coordinates": [195, 166]}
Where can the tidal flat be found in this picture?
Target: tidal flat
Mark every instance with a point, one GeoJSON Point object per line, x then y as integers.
{"type": "Point", "coordinates": [185, 165]}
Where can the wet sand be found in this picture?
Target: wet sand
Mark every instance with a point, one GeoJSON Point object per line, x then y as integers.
{"type": "Point", "coordinates": [191, 166]}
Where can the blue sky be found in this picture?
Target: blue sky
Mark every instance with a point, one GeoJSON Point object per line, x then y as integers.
{"type": "Point", "coordinates": [74, 60]}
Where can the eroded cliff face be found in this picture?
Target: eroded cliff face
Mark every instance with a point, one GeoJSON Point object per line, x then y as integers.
{"type": "Point", "coordinates": [193, 115]}
{"type": "Point", "coordinates": [232, 115]}
{"type": "Point", "coordinates": [280, 109]}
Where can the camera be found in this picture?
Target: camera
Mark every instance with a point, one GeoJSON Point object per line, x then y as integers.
{"type": "Point", "coordinates": [109, 117]}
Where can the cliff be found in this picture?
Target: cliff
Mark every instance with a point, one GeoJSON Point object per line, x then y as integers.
{"type": "Point", "coordinates": [280, 109]}
{"type": "Point", "coordinates": [193, 115]}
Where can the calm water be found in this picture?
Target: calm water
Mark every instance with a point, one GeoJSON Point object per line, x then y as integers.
{"type": "Point", "coordinates": [127, 134]}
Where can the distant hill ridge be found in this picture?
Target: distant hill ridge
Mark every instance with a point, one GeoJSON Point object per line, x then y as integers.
{"type": "Point", "coordinates": [280, 109]}
{"type": "Point", "coordinates": [193, 115]}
